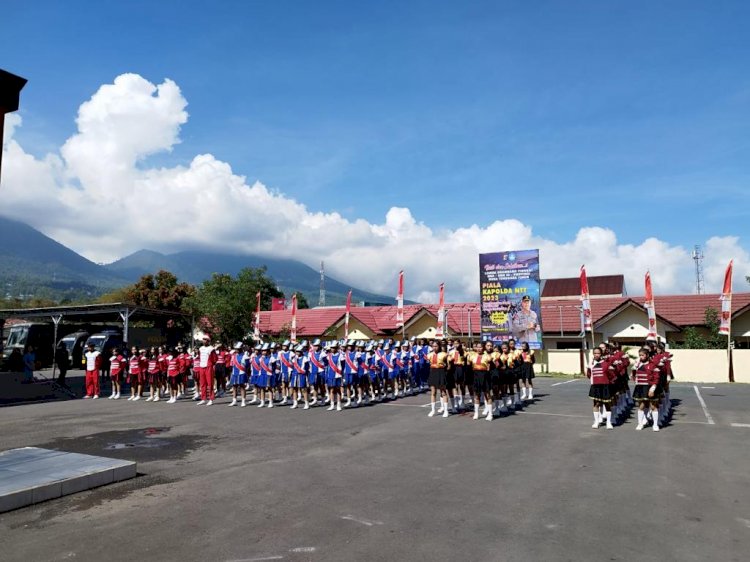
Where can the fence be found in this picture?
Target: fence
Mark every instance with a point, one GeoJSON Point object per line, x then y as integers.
{"type": "Point", "coordinates": [689, 365]}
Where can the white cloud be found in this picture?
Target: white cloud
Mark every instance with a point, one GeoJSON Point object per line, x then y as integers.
{"type": "Point", "coordinates": [98, 197]}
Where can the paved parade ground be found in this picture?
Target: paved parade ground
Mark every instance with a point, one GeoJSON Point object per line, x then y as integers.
{"type": "Point", "coordinates": [388, 483]}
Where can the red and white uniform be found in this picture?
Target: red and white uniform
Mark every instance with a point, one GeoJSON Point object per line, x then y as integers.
{"type": "Point", "coordinates": [174, 365]}
{"type": "Point", "coordinates": [93, 364]}
{"type": "Point", "coordinates": [206, 360]}
{"type": "Point", "coordinates": [136, 369]}
{"type": "Point", "coordinates": [116, 367]}
{"type": "Point", "coordinates": [647, 373]}
{"type": "Point", "coordinates": [600, 373]}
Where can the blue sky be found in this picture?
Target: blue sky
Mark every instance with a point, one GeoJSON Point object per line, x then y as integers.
{"type": "Point", "coordinates": [630, 115]}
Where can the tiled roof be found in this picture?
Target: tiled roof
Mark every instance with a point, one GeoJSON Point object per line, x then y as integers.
{"type": "Point", "coordinates": [558, 315]}
{"type": "Point", "coordinates": [571, 286]}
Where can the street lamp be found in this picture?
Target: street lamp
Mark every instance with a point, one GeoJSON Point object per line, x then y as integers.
{"type": "Point", "coordinates": [10, 92]}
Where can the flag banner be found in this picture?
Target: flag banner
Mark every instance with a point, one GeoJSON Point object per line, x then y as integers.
{"type": "Point", "coordinates": [440, 330]}
{"type": "Point", "coordinates": [725, 326]}
{"type": "Point", "coordinates": [509, 290]}
{"type": "Point", "coordinates": [348, 312]}
{"type": "Point", "coordinates": [293, 335]}
{"type": "Point", "coordinates": [400, 300]}
{"type": "Point", "coordinates": [256, 328]}
{"type": "Point", "coordinates": [650, 308]}
{"type": "Point", "coordinates": [585, 302]}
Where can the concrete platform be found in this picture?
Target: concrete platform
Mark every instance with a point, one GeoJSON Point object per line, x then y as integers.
{"type": "Point", "coordinates": [31, 475]}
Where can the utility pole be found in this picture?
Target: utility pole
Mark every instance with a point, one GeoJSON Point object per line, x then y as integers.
{"type": "Point", "coordinates": [322, 295]}
{"type": "Point", "coordinates": [700, 287]}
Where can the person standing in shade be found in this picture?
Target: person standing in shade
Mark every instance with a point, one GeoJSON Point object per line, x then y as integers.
{"type": "Point", "coordinates": [63, 363]}
{"type": "Point", "coordinates": [93, 359]}
{"type": "Point", "coordinates": [29, 364]}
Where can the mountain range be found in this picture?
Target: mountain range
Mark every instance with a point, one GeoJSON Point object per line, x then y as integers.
{"type": "Point", "coordinates": [33, 265]}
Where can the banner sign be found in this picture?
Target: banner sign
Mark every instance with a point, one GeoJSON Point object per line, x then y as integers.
{"type": "Point", "coordinates": [509, 293]}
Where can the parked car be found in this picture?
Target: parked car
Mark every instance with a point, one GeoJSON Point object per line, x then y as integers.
{"type": "Point", "coordinates": [103, 342]}
{"type": "Point", "coordinates": [75, 343]}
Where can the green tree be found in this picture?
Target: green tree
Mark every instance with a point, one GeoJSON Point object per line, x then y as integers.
{"type": "Point", "coordinates": [695, 339]}
{"type": "Point", "coordinates": [301, 301]}
{"type": "Point", "coordinates": [161, 291]}
{"type": "Point", "coordinates": [225, 305]}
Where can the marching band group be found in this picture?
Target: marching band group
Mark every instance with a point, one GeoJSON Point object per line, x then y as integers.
{"type": "Point", "coordinates": [350, 373]}
{"type": "Point", "coordinates": [609, 390]}
{"type": "Point", "coordinates": [337, 374]}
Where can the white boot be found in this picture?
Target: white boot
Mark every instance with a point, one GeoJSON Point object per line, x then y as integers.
{"type": "Point", "coordinates": [261, 404]}
{"type": "Point", "coordinates": [445, 408]}
{"type": "Point", "coordinates": [490, 415]}
{"type": "Point", "coordinates": [233, 402]}
{"type": "Point", "coordinates": [338, 406]}
{"type": "Point", "coordinates": [432, 410]}
{"type": "Point", "coordinates": [608, 419]}
{"type": "Point", "coordinates": [243, 404]}
{"type": "Point", "coordinates": [531, 393]}
{"type": "Point", "coordinates": [641, 420]}
{"type": "Point", "coordinates": [476, 412]}
{"type": "Point", "coordinates": [523, 393]}
{"type": "Point", "coordinates": [656, 421]}
{"type": "Point", "coordinates": [597, 420]}
{"type": "Point", "coordinates": [294, 405]}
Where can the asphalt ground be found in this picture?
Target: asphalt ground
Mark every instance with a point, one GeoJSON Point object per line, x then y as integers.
{"type": "Point", "coordinates": [388, 483]}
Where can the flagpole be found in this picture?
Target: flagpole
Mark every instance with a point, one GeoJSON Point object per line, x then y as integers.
{"type": "Point", "coordinates": [729, 342]}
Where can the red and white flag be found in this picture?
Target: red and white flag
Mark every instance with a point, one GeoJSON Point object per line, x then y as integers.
{"type": "Point", "coordinates": [440, 330]}
{"type": "Point", "coordinates": [650, 308]}
{"type": "Point", "coordinates": [293, 335]}
{"type": "Point", "coordinates": [400, 300]}
{"type": "Point", "coordinates": [725, 325]}
{"type": "Point", "coordinates": [348, 311]}
{"type": "Point", "coordinates": [256, 329]}
{"type": "Point", "coordinates": [585, 301]}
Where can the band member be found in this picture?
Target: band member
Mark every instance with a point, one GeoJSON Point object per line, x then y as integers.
{"type": "Point", "coordinates": [137, 372]}
{"type": "Point", "coordinates": [515, 361]}
{"type": "Point", "coordinates": [317, 361]}
{"type": "Point", "coordinates": [479, 361]}
{"type": "Point", "coordinates": [238, 379]}
{"type": "Point", "coordinates": [153, 372]}
{"type": "Point", "coordinates": [116, 371]}
{"type": "Point", "coordinates": [174, 365]}
{"type": "Point", "coordinates": [456, 361]}
{"type": "Point", "coordinates": [254, 361]}
{"type": "Point", "coordinates": [300, 376]}
{"type": "Point", "coordinates": [220, 369]}
{"type": "Point", "coordinates": [496, 376]}
{"type": "Point", "coordinates": [527, 372]}
{"type": "Point", "coordinates": [600, 390]}
{"type": "Point", "coordinates": [350, 371]}
{"type": "Point", "coordinates": [93, 360]}
{"type": "Point", "coordinates": [665, 375]}
{"type": "Point", "coordinates": [438, 362]}
{"type": "Point", "coordinates": [186, 362]}
{"type": "Point", "coordinates": [267, 378]}
{"type": "Point", "coordinates": [648, 389]}
{"type": "Point", "coordinates": [334, 376]}
{"type": "Point", "coordinates": [207, 360]}
{"type": "Point", "coordinates": [284, 358]}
